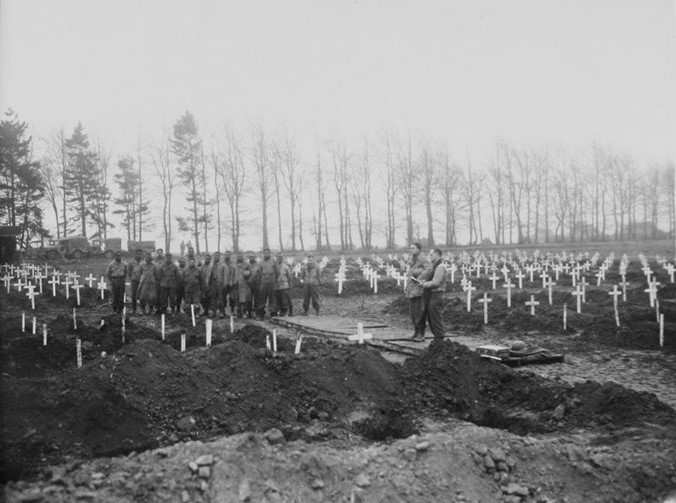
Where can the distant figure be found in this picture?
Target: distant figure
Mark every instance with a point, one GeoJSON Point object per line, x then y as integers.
{"type": "Point", "coordinates": [435, 301]}
{"type": "Point", "coordinates": [310, 279]}
{"type": "Point", "coordinates": [182, 248]}
{"type": "Point", "coordinates": [117, 273]}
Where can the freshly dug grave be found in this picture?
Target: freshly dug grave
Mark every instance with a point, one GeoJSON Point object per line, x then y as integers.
{"type": "Point", "coordinates": [148, 394]}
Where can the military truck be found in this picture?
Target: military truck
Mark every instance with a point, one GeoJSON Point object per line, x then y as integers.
{"type": "Point", "coordinates": [144, 246]}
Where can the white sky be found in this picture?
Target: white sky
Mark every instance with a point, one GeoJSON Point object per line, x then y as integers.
{"type": "Point", "coordinates": [467, 71]}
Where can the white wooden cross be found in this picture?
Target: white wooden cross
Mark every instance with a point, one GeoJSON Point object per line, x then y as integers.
{"type": "Point", "coordinates": [505, 272]}
{"type": "Point", "coordinates": [90, 279]}
{"type": "Point", "coordinates": [102, 286]}
{"type": "Point", "coordinates": [615, 293]}
{"type": "Point", "coordinates": [31, 295]}
{"type": "Point", "coordinates": [652, 291]}
{"type": "Point", "coordinates": [624, 286]}
{"type": "Point", "coordinates": [53, 282]}
{"type": "Point", "coordinates": [578, 294]}
{"type": "Point", "coordinates": [39, 277]}
{"type": "Point", "coordinates": [520, 275]}
{"type": "Point", "coordinates": [532, 304]}
{"type": "Point", "coordinates": [360, 336]}
{"type": "Point", "coordinates": [485, 300]}
{"type": "Point", "coordinates": [549, 284]}
{"type": "Point", "coordinates": [340, 277]}
{"type": "Point", "coordinates": [544, 277]}
{"type": "Point", "coordinates": [530, 270]}
{"type": "Point", "coordinates": [7, 279]}
{"type": "Point", "coordinates": [509, 287]}
{"type": "Point", "coordinates": [19, 285]}
{"type": "Point", "coordinates": [494, 278]}
{"type": "Point", "coordinates": [584, 284]}
{"type": "Point", "coordinates": [452, 269]}
{"type": "Point", "coordinates": [469, 289]}
{"type": "Point", "coordinates": [77, 287]}
{"type": "Point", "coordinates": [67, 282]}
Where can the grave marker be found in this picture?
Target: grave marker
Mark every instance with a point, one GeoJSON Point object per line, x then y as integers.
{"type": "Point", "coordinates": [578, 294]}
{"type": "Point", "coordinates": [485, 300]}
{"type": "Point", "coordinates": [299, 340]}
{"type": "Point", "coordinates": [208, 328]}
{"type": "Point", "coordinates": [183, 342]}
{"type": "Point", "coordinates": [77, 287]}
{"type": "Point", "coordinates": [90, 279]}
{"type": "Point", "coordinates": [469, 289]}
{"type": "Point", "coordinates": [532, 304]}
{"type": "Point", "coordinates": [509, 287]}
{"type": "Point", "coordinates": [360, 336]}
{"type": "Point", "coordinates": [614, 294]}
{"type": "Point", "coordinates": [274, 340]}
{"type": "Point", "coordinates": [78, 346]}
{"type": "Point", "coordinates": [31, 295]}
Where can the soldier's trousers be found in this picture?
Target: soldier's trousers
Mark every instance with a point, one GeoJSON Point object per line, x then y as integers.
{"type": "Point", "coordinates": [266, 294]}
{"type": "Point", "coordinates": [418, 314]}
{"type": "Point", "coordinates": [435, 314]}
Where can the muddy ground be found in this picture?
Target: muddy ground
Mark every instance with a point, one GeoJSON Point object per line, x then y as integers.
{"type": "Point", "coordinates": [338, 422]}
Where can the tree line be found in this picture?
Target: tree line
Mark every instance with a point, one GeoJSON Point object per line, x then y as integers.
{"type": "Point", "coordinates": [389, 189]}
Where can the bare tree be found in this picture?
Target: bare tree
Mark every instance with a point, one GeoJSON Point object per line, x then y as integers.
{"type": "Point", "coordinates": [161, 156]}
{"type": "Point", "coordinates": [290, 176]}
{"type": "Point", "coordinates": [390, 189]}
{"type": "Point", "coordinates": [407, 181]}
{"type": "Point", "coordinates": [428, 174]}
{"type": "Point", "coordinates": [234, 178]}
{"type": "Point", "coordinates": [259, 153]}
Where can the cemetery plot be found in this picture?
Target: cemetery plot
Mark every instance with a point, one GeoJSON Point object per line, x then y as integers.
{"type": "Point", "coordinates": [140, 387]}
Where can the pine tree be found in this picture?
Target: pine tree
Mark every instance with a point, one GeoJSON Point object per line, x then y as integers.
{"type": "Point", "coordinates": [82, 176]}
{"type": "Point", "coordinates": [20, 180]}
{"type": "Point", "coordinates": [187, 147]}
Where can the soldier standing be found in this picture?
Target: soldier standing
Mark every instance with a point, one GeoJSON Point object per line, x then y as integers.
{"type": "Point", "coordinates": [268, 286]}
{"type": "Point", "coordinates": [168, 282]}
{"type": "Point", "coordinates": [283, 285]}
{"type": "Point", "coordinates": [147, 287]}
{"type": "Point", "coordinates": [435, 301]}
{"type": "Point", "coordinates": [417, 272]}
{"type": "Point", "coordinates": [117, 273]}
{"type": "Point", "coordinates": [254, 281]}
{"type": "Point", "coordinates": [241, 291]}
{"type": "Point", "coordinates": [311, 281]}
{"type": "Point", "coordinates": [192, 282]}
{"type": "Point", "coordinates": [180, 286]}
{"type": "Point", "coordinates": [135, 273]}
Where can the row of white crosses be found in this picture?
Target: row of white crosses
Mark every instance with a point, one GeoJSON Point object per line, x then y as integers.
{"type": "Point", "coordinates": [29, 277]}
{"type": "Point", "coordinates": [520, 266]}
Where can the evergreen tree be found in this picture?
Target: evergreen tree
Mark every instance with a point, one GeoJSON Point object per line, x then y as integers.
{"type": "Point", "coordinates": [82, 176]}
{"type": "Point", "coordinates": [20, 181]}
{"type": "Point", "coordinates": [186, 145]}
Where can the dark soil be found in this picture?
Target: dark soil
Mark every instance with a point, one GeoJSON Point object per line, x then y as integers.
{"type": "Point", "coordinates": [146, 393]}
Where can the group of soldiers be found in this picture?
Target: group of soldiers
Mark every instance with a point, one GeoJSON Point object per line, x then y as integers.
{"type": "Point", "coordinates": [245, 287]}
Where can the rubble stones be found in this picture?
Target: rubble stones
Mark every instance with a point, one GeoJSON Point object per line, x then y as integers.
{"type": "Point", "coordinates": [204, 460]}
{"type": "Point", "coordinates": [516, 489]}
{"type": "Point", "coordinates": [559, 412]}
{"type": "Point", "coordinates": [274, 436]}
{"type": "Point", "coordinates": [362, 480]}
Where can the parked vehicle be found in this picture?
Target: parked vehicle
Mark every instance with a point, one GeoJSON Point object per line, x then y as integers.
{"type": "Point", "coordinates": [144, 246]}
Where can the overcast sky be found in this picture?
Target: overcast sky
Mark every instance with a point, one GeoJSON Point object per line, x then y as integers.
{"type": "Point", "coordinates": [465, 71]}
